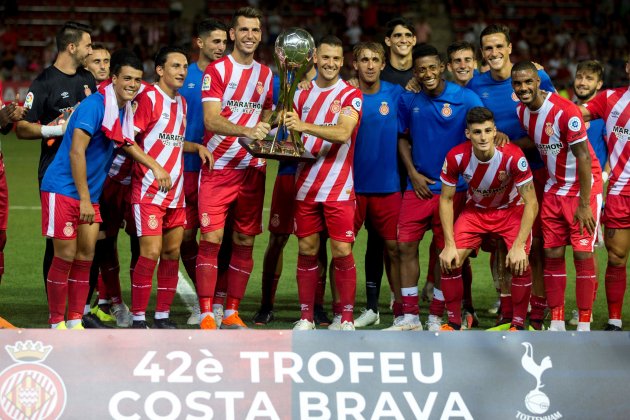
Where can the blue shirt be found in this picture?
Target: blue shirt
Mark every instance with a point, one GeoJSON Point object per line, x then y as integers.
{"type": "Point", "coordinates": [499, 97]}
{"type": "Point", "coordinates": [376, 148]}
{"type": "Point", "coordinates": [191, 91]}
{"type": "Point", "coordinates": [435, 125]}
{"type": "Point", "coordinates": [596, 132]}
{"type": "Point", "coordinates": [98, 155]}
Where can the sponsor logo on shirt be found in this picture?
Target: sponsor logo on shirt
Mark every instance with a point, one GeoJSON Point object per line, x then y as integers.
{"type": "Point", "coordinates": [522, 164]}
{"type": "Point", "coordinates": [357, 103]}
{"type": "Point", "coordinates": [165, 115]}
{"type": "Point", "coordinates": [622, 133]}
{"type": "Point", "coordinates": [65, 95]}
{"type": "Point", "coordinates": [384, 108]}
{"type": "Point", "coordinates": [244, 107]}
{"type": "Point", "coordinates": [447, 111]}
{"type": "Point", "coordinates": [575, 124]}
{"type": "Point", "coordinates": [485, 95]}
{"type": "Point", "coordinates": [191, 85]}
{"type": "Point", "coordinates": [28, 102]}
{"type": "Point", "coordinates": [487, 192]}
{"type": "Point", "coordinates": [171, 140]}
{"type": "Point", "coordinates": [232, 85]}
{"type": "Point", "coordinates": [205, 85]}
{"type": "Point", "coordinates": [550, 149]}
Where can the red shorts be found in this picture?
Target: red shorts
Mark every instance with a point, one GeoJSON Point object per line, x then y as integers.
{"type": "Point", "coordinates": [240, 190]}
{"type": "Point", "coordinates": [540, 179]}
{"type": "Point", "coordinates": [116, 208]}
{"type": "Point", "coordinates": [474, 225]}
{"type": "Point", "coordinates": [335, 216]}
{"type": "Point", "coordinates": [559, 227]}
{"type": "Point", "coordinates": [4, 197]}
{"type": "Point", "coordinates": [60, 215]}
{"type": "Point", "coordinates": [191, 194]}
{"type": "Point", "coordinates": [419, 215]}
{"type": "Point", "coordinates": [616, 214]}
{"type": "Point", "coordinates": [282, 205]}
{"type": "Point", "coordinates": [152, 220]}
{"type": "Point", "coordinates": [381, 211]}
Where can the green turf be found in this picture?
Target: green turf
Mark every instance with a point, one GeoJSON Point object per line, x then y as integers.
{"type": "Point", "coordinates": [23, 300]}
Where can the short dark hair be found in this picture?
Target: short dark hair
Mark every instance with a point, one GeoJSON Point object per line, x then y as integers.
{"type": "Point", "coordinates": [524, 65]}
{"type": "Point", "coordinates": [479, 115]}
{"type": "Point", "coordinates": [70, 33]}
{"type": "Point", "coordinates": [389, 26]}
{"type": "Point", "coordinates": [330, 40]}
{"type": "Point", "coordinates": [122, 58]}
{"type": "Point", "coordinates": [592, 66]}
{"type": "Point", "coordinates": [209, 25]}
{"type": "Point", "coordinates": [247, 12]}
{"type": "Point", "coordinates": [459, 46]}
{"type": "Point", "coordinates": [425, 50]}
{"type": "Point", "coordinates": [162, 55]}
{"type": "Point", "coordinates": [97, 46]}
{"type": "Point", "coordinates": [495, 29]}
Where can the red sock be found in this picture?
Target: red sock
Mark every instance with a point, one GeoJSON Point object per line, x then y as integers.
{"type": "Point", "coordinates": [615, 290]}
{"type": "Point", "coordinates": [141, 285]}
{"type": "Point", "coordinates": [467, 282]}
{"type": "Point", "coordinates": [188, 252]}
{"type": "Point", "coordinates": [538, 304]}
{"type": "Point", "coordinates": [167, 276]}
{"type": "Point", "coordinates": [397, 309]}
{"type": "Point", "coordinates": [57, 285]}
{"type": "Point", "coordinates": [507, 306]}
{"type": "Point", "coordinates": [307, 277]}
{"type": "Point", "coordinates": [585, 278]}
{"type": "Point", "coordinates": [410, 305]}
{"type": "Point", "coordinates": [521, 291]}
{"type": "Point", "coordinates": [453, 289]}
{"type": "Point", "coordinates": [555, 276]}
{"type": "Point", "coordinates": [436, 307]}
{"type": "Point", "coordinates": [206, 274]}
{"type": "Point", "coordinates": [269, 287]}
{"type": "Point", "coordinates": [110, 273]}
{"type": "Point", "coordinates": [320, 291]}
{"type": "Point", "coordinates": [346, 282]}
{"type": "Point", "coordinates": [240, 269]}
{"type": "Point", "coordinates": [78, 288]}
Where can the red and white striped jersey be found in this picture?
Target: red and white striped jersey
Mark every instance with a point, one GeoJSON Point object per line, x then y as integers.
{"type": "Point", "coordinates": [556, 126]}
{"type": "Point", "coordinates": [491, 184]}
{"type": "Point", "coordinates": [160, 123]}
{"type": "Point", "coordinates": [120, 171]}
{"type": "Point", "coordinates": [244, 91]}
{"type": "Point", "coordinates": [613, 105]}
{"type": "Point", "coordinates": [329, 178]}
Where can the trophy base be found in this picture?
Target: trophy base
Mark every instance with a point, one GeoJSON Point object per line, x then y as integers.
{"type": "Point", "coordinates": [284, 150]}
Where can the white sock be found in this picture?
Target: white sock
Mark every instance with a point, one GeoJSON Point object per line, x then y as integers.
{"type": "Point", "coordinates": [558, 325]}
{"type": "Point", "coordinates": [409, 291]}
{"type": "Point", "coordinates": [161, 315]}
{"type": "Point", "coordinates": [140, 317]}
{"type": "Point", "coordinates": [205, 314]}
{"type": "Point", "coordinates": [615, 322]}
{"type": "Point", "coordinates": [229, 312]}
{"type": "Point", "coordinates": [86, 309]}
{"type": "Point", "coordinates": [584, 326]}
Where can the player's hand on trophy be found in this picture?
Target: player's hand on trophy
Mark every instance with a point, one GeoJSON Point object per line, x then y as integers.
{"type": "Point", "coordinates": [259, 131]}
{"type": "Point", "coordinates": [449, 259]}
{"type": "Point", "coordinates": [163, 178]}
{"type": "Point", "coordinates": [86, 211]}
{"type": "Point", "coordinates": [516, 260]}
{"type": "Point", "coordinates": [420, 185]}
{"type": "Point", "coordinates": [293, 122]}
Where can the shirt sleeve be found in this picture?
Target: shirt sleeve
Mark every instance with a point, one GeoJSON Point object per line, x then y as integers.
{"type": "Point", "coordinates": [519, 167]}
{"type": "Point", "coordinates": [573, 125]}
{"type": "Point", "coordinates": [353, 105]}
{"type": "Point", "coordinates": [450, 169]}
{"type": "Point", "coordinates": [143, 116]}
{"type": "Point", "coordinates": [597, 105]}
{"type": "Point", "coordinates": [89, 116]}
{"type": "Point", "coordinates": [269, 102]}
{"type": "Point", "coordinates": [212, 86]}
{"type": "Point", "coordinates": [34, 102]}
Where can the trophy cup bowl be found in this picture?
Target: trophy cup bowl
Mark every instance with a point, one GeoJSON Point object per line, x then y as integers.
{"type": "Point", "coordinates": [293, 54]}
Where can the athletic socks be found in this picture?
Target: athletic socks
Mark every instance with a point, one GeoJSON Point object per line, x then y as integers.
{"type": "Point", "coordinates": [521, 290]}
{"type": "Point", "coordinates": [555, 275]}
{"type": "Point", "coordinates": [307, 279]}
{"type": "Point", "coordinates": [346, 282]}
{"type": "Point", "coordinates": [241, 266]}
{"type": "Point", "coordinates": [585, 278]}
{"type": "Point", "coordinates": [453, 290]}
{"type": "Point", "coordinates": [436, 307]}
{"type": "Point", "coordinates": [167, 276]}
{"type": "Point", "coordinates": [206, 273]}
{"type": "Point", "coordinates": [141, 285]}
{"type": "Point", "coordinates": [188, 251]}
{"type": "Point", "coordinates": [615, 289]}
{"type": "Point", "coordinates": [78, 288]}
{"type": "Point", "coordinates": [410, 300]}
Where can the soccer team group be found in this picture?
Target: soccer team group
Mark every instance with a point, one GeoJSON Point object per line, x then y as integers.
{"type": "Point", "coordinates": [494, 160]}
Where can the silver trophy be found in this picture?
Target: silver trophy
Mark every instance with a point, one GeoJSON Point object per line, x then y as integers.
{"type": "Point", "coordinates": [293, 54]}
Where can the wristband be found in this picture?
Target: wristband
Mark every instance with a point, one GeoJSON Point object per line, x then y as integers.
{"type": "Point", "coordinates": [49, 131]}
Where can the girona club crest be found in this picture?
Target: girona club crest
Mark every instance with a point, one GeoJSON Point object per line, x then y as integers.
{"type": "Point", "coordinates": [384, 109]}
{"type": "Point", "coordinates": [549, 129]}
{"type": "Point", "coordinates": [68, 230]}
{"type": "Point", "coordinates": [447, 111]}
{"type": "Point", "coordinates": [152, 222]}
{"type": "Point", "coordinates": [205, 220]}
{"type": "Point", "coordinates": [514, 97]}
{"type": "Point", "coordinates": [335, 107]}
{"type": "Point", "coordinates": [29, 389]}
{"type": "Point", "coordinates": [260, 88]}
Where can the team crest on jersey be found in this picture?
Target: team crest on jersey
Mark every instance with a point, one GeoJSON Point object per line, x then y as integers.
{"type": "Point", "coordinates": [384, 109]}
{"type": "Point", "coordinates": [260, 88]}
{"type": "Point", "coordinates": [502, 176]}
{"type": "Point", "coordinates": [205, 85]}
{"type": "Point", "coordinates": [29, 388]}
{"type": "Point", "coordinates": [522, 164]}
{"type": "Point", "coordinates": [28, 102]}
{"type": "Point", "coordinates": [447, 111]}
{"type": "Point", "coordinates": [86, 90]}
{"type": "Point", "coordinates": [335, 107]}
{"type": "Point", "coordinates": [68, 230]}
{"type": "Point", "coordinates": [514, 97]}
{"type": "Point", "coordinates": [575, 124]}
{"type": "Point", "coordinates": [152, 222]}
{"type": "Point", "coordinates": [549, 129]}
{"type": "Point", "coordinates": [205, 220]}
{"type": "Point", "coordinates": [275, 220]}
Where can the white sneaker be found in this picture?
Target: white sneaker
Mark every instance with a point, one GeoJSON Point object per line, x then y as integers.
{"type": "Point", "coordinates": [495, 308]}
{"type": "Point", "coordinates": [195, 314]}
{"type": "Point", "coordinates": [122, 315]}
{"type": "Point", "coordinates": [557, 326]}
{"type": "Point", "coordinates": [303, 325]}
{"type": "Point", "coordinates": [217, 310]}
{"type": "Point", "coordinates": [397, 320]}
{"type": "Point", "coordinates": [407, 323]}
{"type": "Point", "coordinates": [434, 323]}
{"type": "Point", "coordinates": [336, 323]}
{"type": "Point", "coordinates": [367, 317]}
{"type": "Point", "coordinates": [347, 326]}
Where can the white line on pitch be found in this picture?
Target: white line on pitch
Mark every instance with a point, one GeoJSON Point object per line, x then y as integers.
{"type": "Point", "coordinates": [185, 291]}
